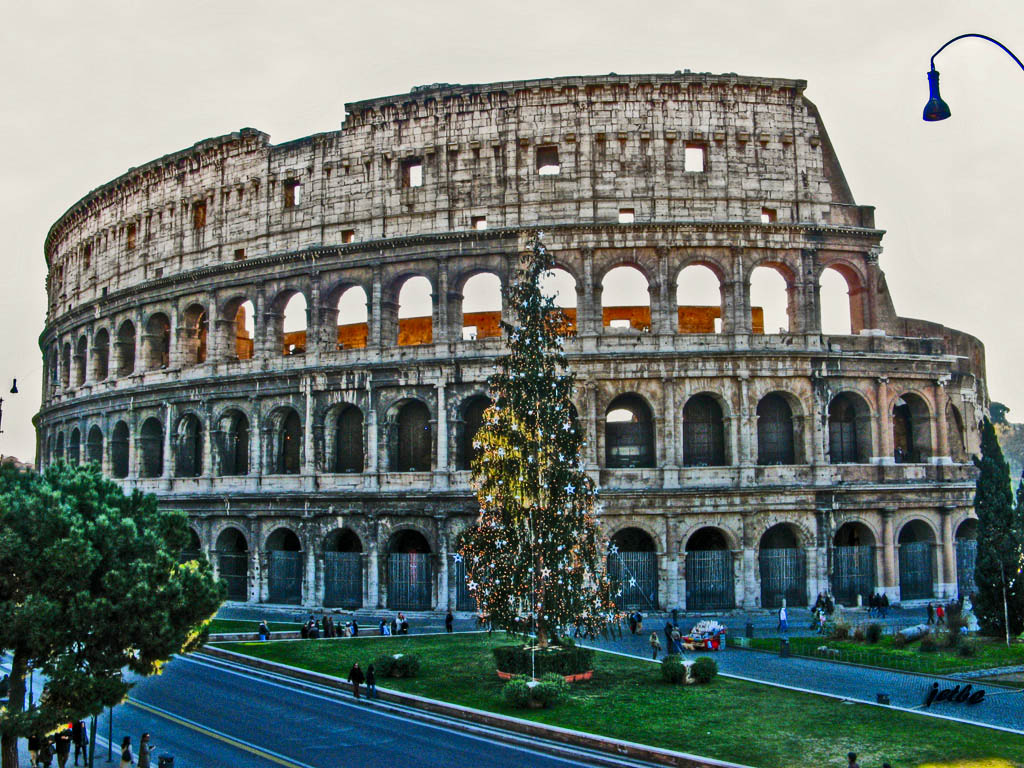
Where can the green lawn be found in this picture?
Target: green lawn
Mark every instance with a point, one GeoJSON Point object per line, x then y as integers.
{"type": "Point", "coordinates": [990, 653]}
{"type": "Point", "coordinates": [219, 626]}
{"type": "Point", "coordinates": [729, 719]}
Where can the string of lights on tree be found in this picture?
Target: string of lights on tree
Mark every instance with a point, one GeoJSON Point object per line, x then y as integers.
{"type": "Point", "coordinates": [536, 552]}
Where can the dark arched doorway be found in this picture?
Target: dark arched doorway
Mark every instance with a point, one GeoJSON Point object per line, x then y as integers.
{"type": "Point", "coordinates": [284, 567]}
{"type": "Point", "coordinates": [472, 420]}
{"type": "Point", "coordinates": [709, 579]}
{"type": "Point", "coordinates": [348, 440]}
{"type": "Point", "coordinates": [775, 431]}
{"type": "Point", "coordinates": [917, 561]}
{"type": "Point", "coordinates": [151, 439]}
{"type": "Point", "coordinates": [629, 433]}
{"type": "Point", "coordinates": [853, 563]}
{"type": "Point", "coordinates": [412, 435]}
{"type": "Point", "coordinates": [966, 557]}
{"type": "Point", "coordinates": [633, 570]}
{"type": "Point", "coordinates": [782, 566]}
{"type": "Point", "coordinates": [188, 453]}
{"type": "Point", "coordinates": [233, 563]}
{"type": "Point", "coordinates": [343, 570]}
{"type": "Point", "coordinates": [703, 433]}
{"type": "Point", "coordinates": [410, 575]}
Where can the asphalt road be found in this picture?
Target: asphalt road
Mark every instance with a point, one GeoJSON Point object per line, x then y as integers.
{"type": "Point", "coordinates": [208, 715]}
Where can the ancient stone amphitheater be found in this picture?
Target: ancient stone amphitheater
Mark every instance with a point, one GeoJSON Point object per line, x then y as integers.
{"type": "Point", "coordinates": [291, 343]}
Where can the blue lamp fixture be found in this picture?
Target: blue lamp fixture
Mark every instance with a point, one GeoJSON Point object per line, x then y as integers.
{"type": "Point", "coordinates": [936, 109]}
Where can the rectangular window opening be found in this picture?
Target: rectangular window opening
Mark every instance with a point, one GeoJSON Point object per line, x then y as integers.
{"type": "Point", "coordinates": [469, 333]}
{"type": "Point", "coordinates": [769, 215]}
{"type": "Point", "coordinates": [292, 193]}
{"type": "Point", "coordinates": [239, 254]}
{"type": "Point", "coordinates": [199, 215]}
{"type": "Point", "coordinates": [131, 233]}
{"type": "Point", "coordinates": [695, 158]}
{"type": "Point", "coordinates": [479, 222]}
{"type": "Point", "coordinates": [624, 323]}
{"type": "Point", "coordinates": [627, 215]}
{"type": "Point", "coordinates": [547, 161]}
{"type": "Point", "coordinates": [412, 172]}
{"type": "Point", "coordinates": [348, 236]}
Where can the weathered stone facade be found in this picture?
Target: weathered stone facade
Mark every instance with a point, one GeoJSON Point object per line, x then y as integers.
{"type": "Point", "coordinates": [801, 450]}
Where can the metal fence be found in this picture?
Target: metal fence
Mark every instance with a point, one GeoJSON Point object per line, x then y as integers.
{"type": "Point", "coordinates": [234, 569]}
{"type": "Point", "coordinates": [783, 575]}
{"type": "Point", "coordinates": [284, 577]}
{"type": "Point", "coordinates": [463, 599]}
{"type": "Point", "coordinates": [343, 579]}
{"type": "Point", "coordinates": [916, 570]}
{"type": "Point", "coordinates": [634, 580]}
{"type": "Point", "coordinates": [853, 574]}
{"type": "Point", "coordinates": [966, 558]}
{"type": "Point", "coordinates": [709, 580]}
{"type": "Point", "coordinates": [409, 581]}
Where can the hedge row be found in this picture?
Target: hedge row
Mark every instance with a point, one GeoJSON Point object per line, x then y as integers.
{"type": "Point", "coordinates": [560, 659]}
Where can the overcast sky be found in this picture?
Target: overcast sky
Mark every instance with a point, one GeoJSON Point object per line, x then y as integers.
{"type": "Point", "coordinates": [93, 88]}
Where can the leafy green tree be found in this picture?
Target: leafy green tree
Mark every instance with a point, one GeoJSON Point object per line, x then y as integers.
{"type": "Point", "coordinates": [90, 583]}
{"type": "Point", "coordinates": [536, 553]}
{"type": "Point", "coordinates": [1000, 599]}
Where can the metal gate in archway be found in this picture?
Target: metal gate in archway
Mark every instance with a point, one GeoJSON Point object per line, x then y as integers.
{"type": "Point", "coordinates": [284, 577]}
{"type": "Point", "coordinates": [409, 581]}
{"type": "Point", "coordinates": [966, 558]}
{"type": "Point", "coordinates": [916, 571]}
{"type": "Point", "coordinates": [464, 601]}
{"type": "Point", "coordinates": [783, 575]}
{"type": "Point", "coordinates": [853, 573]}
{"type": "Point", "coordinates": [234, 570]}
{"type": "Point", "coordinates": [709, 580]}
{"type": "Point", "coordinates": [343, 579]}
{"type": "Point", "coordinates": [634, 580]}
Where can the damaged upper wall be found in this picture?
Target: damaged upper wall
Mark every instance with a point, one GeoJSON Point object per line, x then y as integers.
{"type": "Point", "coordinates": [683, 147]}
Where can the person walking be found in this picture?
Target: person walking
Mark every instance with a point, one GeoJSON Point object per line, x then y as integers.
{"type": "Point", "coordinates": [632, 623]}
{"type": "Point", "coordinates": [371, 682]}
{"type": "Point", "coordinates": [655, 645]}
{"type": "Point", "coordinates": [357, 678]}
{"type": "Point", "coordinates": [145, 750]}
{"type": "Point", "coordinates": [449, 620]}
{"type": "Point", "coordinates": [931, 613]}
{"type": "Point", "coordinates": [78, 738]}
{"type": "Point", "coordinates": [940, 614]}
{"type": "Point", "coordinates": [63, 746]}
{"type": "Point", "coordinates": [263, 631]}
{"type": "Point", "coordinates": [668, 637]}
{"type": "Point", "coordinates": [783, 620]}
{"type": "Point", "coordinates": [34, 742]}
{"type": "Point", "coordinates": [355, 628]}
{"type": "Point", "coordinates": [677, 640]}
{"type": "Point", "coordinates": [884, 605]}
{"type": "Point", "coordinates": [127, 760]}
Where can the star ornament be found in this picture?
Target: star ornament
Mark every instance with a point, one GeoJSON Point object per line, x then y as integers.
{"type": "Point", "coordinates": [458, 557]}
{"type": "Point", "coordinates": [613, 549]}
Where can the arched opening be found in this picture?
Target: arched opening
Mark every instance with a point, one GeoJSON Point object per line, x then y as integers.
{"type": "Point", "coordinates": [284, 567]}
{"type": "Point", "coordinates": [629, 433]}
{"type": "Point", "coordinates": [966, 556]}
{"type": "Point", "coordinates": [911, 430]}
{"type": "Point", "coordinates": [194, 331]}
{"type": "Point", "coordinates": [464, 599]}
{"type": "Point", "coordinates": [411, 447]}
{"type": "Point", "coordinates": [81, 356]}
{"type": "Point", "coordinates": [188, 448]}
{"type": "Point", "coordinates": [238, 334]}
{"type": "Point", "coordinates": [849, 430]}
{"type": "Point", "coordinates": [343, 570]}
{"type": "Point", "coordinates": [233, 563]}
{"type": "Point", "coordinates": [699, 300]}
{"type": "Point", "coordinates": [233, 444]}
{"type": "Point", "coordinates": [348, 440]}
{"type": "Point", "coordinates": [956, 435]}
{"type": "Point", "coordinates": [472, 419]}
{"type": "Point", "coordinates": [119, 450]}
{"type": "Point", "coordinates": [125, 349]}
{"type": "Point", "coordinates": [410, 576]}
{"type": "Point", "coordinates": [917, 561]}
{"type": "Point", "coordinates": [101, 355]}
{"type": "Point", "coordinates": [59, 450]}
{"type": "Point", "coordinates": [481, 307]}
{"type": "Point", "coordinates": [625, 300]}
{"type": "Point", "coordinates": [836, 299]}
{"type": "Point", "coordinates": [353, 318]}
{"type": "Point", "coordinates": [193, 549]}
{"type": "Point", "coordinates": [776, 431]}
{"type": "Point", "coordinates": [633, 570]}
{"type": "Point", "coordinates": [703, 432]}
{"type": "Point", "coordinates": [710, 585]}
{"type": "Point", "coordinates": [156, 342]}
{"type": "Point", "coordinates": [286, 443]}
{"type": "Point", "coordinates": [65, 366]}
{"type": "Point", "coordinates": [293, 320]}
{"type": "Point", "coordinates": [53, 369]}
{"type": "Point", "coordinates": [782, 567]}
{"type": "Point", "coordinates": [853, 563]}
{"type": "Point", "coordinates": [770, 308]}
{"type": "Point", "coordinates": [75, 446]}
{"type": "Point", "coordinates": [151, 448]}
{"type": "Point", "coordinates": [560, 286]}
{"type": "Point", "coordinates": [94, 445]}
{"type": "Point", "coordinates": [415, 312]}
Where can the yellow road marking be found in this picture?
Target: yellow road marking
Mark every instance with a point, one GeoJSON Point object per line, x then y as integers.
{"type": "Point", "coordinates": [216, 735]}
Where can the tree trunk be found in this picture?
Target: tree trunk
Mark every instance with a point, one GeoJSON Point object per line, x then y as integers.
{"type": "Point", "coordinates": [92, 741]}
{"type": "Point", "coordinates": [16, 702]}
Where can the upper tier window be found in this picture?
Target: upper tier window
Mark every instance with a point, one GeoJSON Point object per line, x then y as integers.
{"type": "Point", "coordinates": [412, 172]}
{"type": "Point", "coordinates": [547, 161]}
{"type": "Point", "coordinates": [292, 193]}
{"type": "Point", "coordinates": [695, 160]}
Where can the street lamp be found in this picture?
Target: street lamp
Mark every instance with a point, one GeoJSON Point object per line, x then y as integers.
{"type": "Point", "coordinates": [936, 109]}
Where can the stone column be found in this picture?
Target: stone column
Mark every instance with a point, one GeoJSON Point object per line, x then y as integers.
{"type": "Point", "coordinates": [256, 439]}
{"type": "Point", "coordinates": [889, 572]}
{"type": "Point", "coordinates": [174, 356]}
{"type": "Point", "coordinates": [670, 439]}
{"type": "Point", "coordinates": [871, 302]}
{"type": "Point", "coordinates": [261, 321]}
{"type": "Point", "coordinates": [588, 317]}
{"type": "Point", "coordinates": [208, 435]}
{"type": "Point", "coordinates": [376, 312]}
{"type": "Point", "coordinates": [168, 468]}
{"type": "Point", "coordinates": [133, 459]}
{"type": "Point", "coordinates": [883, 422]}
{"type": "Point", "coordinates": [314, 322]}
{"type": "Point", "coordinates": [592, 427]}
{"type": "Point", "coordinates": [749, 576]}
{"type": "Point", "coordinates": [372, 457]}
{"type": "Point", "coordinates": [942, 453]}
{"type": "Point", "coordinates": [213, 331]}
{"type": "Point", "coordinates": [670, 592]}
{"type": "Point", "coordinates": [374, 597]}
{"type": "Point", "coordinates": [947, 586]}
{"type": "Point", "coordinates": [309, 454]}
{"type": "Point", "coordinates": [738, 321]}
{"type": "Point", "coordinates": [309, 563]}
{"type": "Point", "coordinates": [441, 469]}
{"type": "Point", "coordinates": [443, 598]}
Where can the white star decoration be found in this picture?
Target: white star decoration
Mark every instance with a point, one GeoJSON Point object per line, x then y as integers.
{"type": "Point", "coordinates": [458, 557]}
{"type": "Point", "coordinates": [613, 549]}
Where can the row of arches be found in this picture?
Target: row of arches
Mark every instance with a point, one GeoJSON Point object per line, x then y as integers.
{"type": "Point", "coordinates": [625, 301]}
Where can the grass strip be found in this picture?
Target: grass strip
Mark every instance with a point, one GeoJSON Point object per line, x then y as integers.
{"type": "Point", "coordinates": [733, 720]}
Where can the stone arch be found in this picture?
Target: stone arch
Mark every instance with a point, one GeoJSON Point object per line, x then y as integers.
{"type": "Point", "coordinates": [125, 349]}
{"type": "Point", "coordinates": [285, 566]}
{"type": "Point", "coordinates": [410, 570]}
{"type": "Point", "coordinates": [288, 322]}
{"type": "Point", "coordinates": [59, 450]}
{"type": "Point", "coordinates": [965, 541]}
{"type": "Point", "coordinates": [188, 446]}
{"type": "Point", "coordinates": [779, 429]}
{"type": "Point", "coordinates": [849, 429]}
{"type": "Point", "coordinates": [195, 327]}
{"type": "Point", "coordinates": [348, 311]}
{"type": "Point", "coordinates": [708, 569]}
{"type": "Point", "coordinates": [629, 432]}
{"type": "Point", "coordinates": [840, 299]}
{"type": "Point", "coordinates": [348, 438]}
{"type": "Point", "coordinates": [704, 438]}
{"type": "Point", "coordinates": [560, 284]}
{"type": "Point", "coordinates": [101, 355]}
{"type": "Point", "coordinates": [237, 328]}
{"type": "Point", "coordinates": [156, 342]}
{"type": "Point", "coordinates": [772, 291]}
{"type": "Point", "coordinates": [75, 446]}
{"type": "Point", "coordinates": [410, 438]}
{"type": "Point", "coordinates": [626, 298]}
{"type": "Point", "coordinates": [119, 452]}
{"type": "Point", "coordinates": [285, 441]}
{"type": "Point", "coordinates": [343, 569]}
{"type": "Point", "coordinates": [412, 309]}
{"type": "Point", "coordinates": [81, 359]}
{"type": "Point", "coordinates": [94, 445]}
{"type": "Point", "coordinates": [916, 539]}
{"type": "Point", "coordinates": [782, 566]}
{"type": "Point", "coordinates": [700, 304]}
{"type": "Point", "coordinates": [471, 418]}
{"type": "Point", "coordinates": [633, 568]}
{"type": "Point", "coordinates": [911, 429]}
{"type": "Point", "coordinates": [853, 575]}
{"type": "Point", "coordinates": [481, 305]}
{"type": "Point", "coordinates": [193, 549]}
{"type": "Point", "coordinates": [151, 448]}
{"type": "Point", "coordinates": [957, 435]}
{"type": "Point", "coordinates": [232, 548]}
{"type": "Point", "coordinates": [233, 442]}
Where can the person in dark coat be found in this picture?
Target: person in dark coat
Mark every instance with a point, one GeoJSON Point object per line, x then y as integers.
{"type": "Point", "coordinates": [668, 637]}
{"type": "Point", "coordinates": [355, 628]}
{"type": "Point", "coordinates": [45, 756]}
{"type": "Point", "coordinates": [63, 746]}
{"type": "Point", "coordinates": [356, 677]}
{"type": "Point", "coordinates": [931, 613]}
{"type": "Point", "coordinates": [632, 623]}
{"type": "Point", "coordinates": [371, 682]}
{"type": "Point", "coordinates": [78, 738]}
{"type": "Point", "coordinates": [448, 621]}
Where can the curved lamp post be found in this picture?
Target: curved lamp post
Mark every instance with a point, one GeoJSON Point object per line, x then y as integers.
{"type": "Point", "coordinates": [936, 109]}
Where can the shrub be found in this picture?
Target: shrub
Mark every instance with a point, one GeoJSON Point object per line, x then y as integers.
{"type": "Point", "coordinates": [929, 644]}
{"type": "Point", "coordinates": [517, 692]}
{"type": "Point", "coordinates": [858, 634]}
{"type": "Point", "coordinates": [873, 633]}
{"type": "Point", "coordinates": [967, 649]}
{"type": "Point", "coordinates": [397, 665]}
{"type": "Point", "coordinates": [950, 639]}
{"type": "Point", "coordinates": [704, 669]}
{"type": "Point", "coordinates": [899, 641]}
{"type": "Point", "coordinates": [840, 631]}
{"type": "Point", "coordinates": [562, 659]}
{"type": "Point", "coordinates": [551, 688]}
{"type": "Point", "coordinates": [673, 670]}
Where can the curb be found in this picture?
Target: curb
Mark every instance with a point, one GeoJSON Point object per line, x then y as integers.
{"type": "Point", "coordinates": [613, 747]}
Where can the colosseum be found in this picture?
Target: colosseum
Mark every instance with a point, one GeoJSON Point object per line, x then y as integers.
{"type": "Point", "coordinates": [291, 342]}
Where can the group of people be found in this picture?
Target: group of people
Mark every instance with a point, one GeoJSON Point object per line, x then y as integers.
{"type": "Point", "coordinates": [878, 605]}
{"type": "Point", "coordinates": [357, 678]}
{"type": "Point", "coordinates": [937, 614]}
{"type": "Point", "coordinates": [43, 749]}
{"type": "Point", "coordinates": [145, 752]}
{"type": "Point", "coordinates": [399, 625]}
{"type": "Point", "coordinates": [636, 623]}
{"type": "Point", "coordinates": [325, 626]}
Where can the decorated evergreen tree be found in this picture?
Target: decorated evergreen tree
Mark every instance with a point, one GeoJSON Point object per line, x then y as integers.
{"type": "Point", "coordinates": [536, 554]}
{"type": "Point", "coordinates": [1000, 599]}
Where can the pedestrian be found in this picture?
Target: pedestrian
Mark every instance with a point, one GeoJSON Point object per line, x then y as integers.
{"type": "Point", "coordinates": [405, 625]}
{"type": "Point", "coordinates": [940, 614]}
{"type": "Point", "coordinates": [931, 613]}
{"type": "Point", "coordinates": [63, 746]}
{"type": "Point", "coordinates": [668, 637]}
{"type": "Point", "coordinates": [263, 630]}
{"type": "Point", "coordinates": [885, 605]}
{"type": "Point", "coordinates": [632, 623]}
{"type": "Point", "coordinates": [328, 626]}
{"type": "Point", "coordinates": [356, 677]}
{"type": "Point", "coordinates": [655, 645]}
{"type": "Point", "coordinates": [127, 761]}
{"type": "Point", "coordinates": [394, 625]}
{"type": "Point", "coordinates": [851, 760]}
{"type": "Point", "coordinates": [381, 628]}
{"type": "Point", "coordinates": [371, 682]}
{"type": "Point", "coordinates": [33, 749]}
{"type": "Point", "coordinates": [677, 640]}
{"type": "Point", "coordinates": [639, 623]}
{"type": "Point", "coordinates": [449, 620]}
{"type": "Point", "coordinates": [78, 738]}
{"type": "Point", "coordinates": [355, 628]}
{"type": "Point", "coordinates": [45, 756]}
{"type": "Point", "coordinates": [145, 750]}
{"type": "Point", "coordinates": [783, 620]}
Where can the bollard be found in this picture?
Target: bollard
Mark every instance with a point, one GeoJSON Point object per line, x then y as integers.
{"type": "Point", "coordinates": [882, 698]}
{"type": "Point", "coordinates": [165, 761]}
{"type": "Point", "coordinates": [784, 648]}
{"type": "Point", "coordinates": [749, 631]}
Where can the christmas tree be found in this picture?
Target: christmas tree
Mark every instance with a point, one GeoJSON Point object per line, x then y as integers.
{"type": "Point", "coordinates": [536, 555]}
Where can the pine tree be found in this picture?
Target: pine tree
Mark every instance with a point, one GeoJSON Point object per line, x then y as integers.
{"type": "Point", "coordinates": [536, 553]}
{"type": "Point", "coordinates": [997, 574]}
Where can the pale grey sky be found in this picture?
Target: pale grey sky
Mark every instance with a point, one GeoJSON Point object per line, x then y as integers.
{"type": "Point", "coordinates": [92, 88]}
